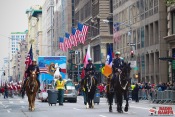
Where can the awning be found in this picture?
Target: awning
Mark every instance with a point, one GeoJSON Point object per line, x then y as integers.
{"type": "Point", "coordinates": [169, 59]}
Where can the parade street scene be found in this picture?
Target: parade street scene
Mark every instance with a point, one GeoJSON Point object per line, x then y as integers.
{"type": "Point", "coordinates": [87, 58]}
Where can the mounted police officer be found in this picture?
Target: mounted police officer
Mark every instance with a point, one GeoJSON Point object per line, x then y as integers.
{"type": "Point", "coordinates": [90, 68]}
{"type": "Point", "coordinates": [116, 66]}
{"type": "Point", "coordinates": [32, 67]}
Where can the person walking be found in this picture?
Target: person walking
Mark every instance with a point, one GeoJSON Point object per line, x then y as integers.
{"type": "Point", "coordinates": [5, 91]}
{"type": "Point", "coordinates": [60, 85]}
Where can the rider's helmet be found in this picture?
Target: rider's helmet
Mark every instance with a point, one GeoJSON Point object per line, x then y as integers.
{"type": "Point", "coordinates": [117, 53]}
{"type": "Point", "coordinates": [89, 59]}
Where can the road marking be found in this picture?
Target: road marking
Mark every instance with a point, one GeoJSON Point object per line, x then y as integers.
{"type": "Point", "coordinates": [9, 110]}
{"type": "Point", "coordinates": [139, 107]}
{"type": "Point", "coordinates": [11, 102]}
{"type": "Point", "coordinates": [0, 102]}
{"type": "Point", "coordinates": [102, 116]}
{"type": "Point", "coordinates": [21, 101]}
{"type": "Point", "coordinates": [76, 109]}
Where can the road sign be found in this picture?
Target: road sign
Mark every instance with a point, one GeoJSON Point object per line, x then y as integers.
{"type": "Point", "coordinates": [173, 64]}
{"type": "Point", "coordinates": [131, 44]}
{"type": "Point", "coordinates": [71, 51]}
{"type": "Point", "coordinates": [133, 64]}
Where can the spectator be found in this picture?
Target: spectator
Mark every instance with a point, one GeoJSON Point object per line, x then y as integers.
{"type": "Point", "coordinates": [136, 92]}
{"type": "Point", "coordinates": [5, 91]}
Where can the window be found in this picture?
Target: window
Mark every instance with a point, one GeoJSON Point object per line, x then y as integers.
{"type": "Point", "coordinates": [97, 53]}
{"type": "Point", "coordinates": [143, 63]}
{"type": "Point", "coordinates": [173, 22]}
{"type": "Point", "coordinates": [142, 37]}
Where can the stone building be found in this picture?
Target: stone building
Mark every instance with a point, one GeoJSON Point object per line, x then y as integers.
{"type": "Point", "coordinates": [141, 26]}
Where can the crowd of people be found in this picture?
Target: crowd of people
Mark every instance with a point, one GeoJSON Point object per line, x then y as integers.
{"type": "Point", "coordinates": [10, 89]}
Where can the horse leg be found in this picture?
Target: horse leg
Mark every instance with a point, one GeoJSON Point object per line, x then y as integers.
{"type": "Point", "coordinates": [33, 102]}
{"type": "Point", "coordinates": [126, 98]}
{"type": "Point", "coordinates": [29, 100]}
{"type": "Point", "coordinates": [87, 98]}
{"type": "Point", "coordinates": [110, 101]}
{"type": "Point", "coordinates": [119, 102]}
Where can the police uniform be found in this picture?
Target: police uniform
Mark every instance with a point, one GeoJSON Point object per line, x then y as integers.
{"type": "Point", "coordinates": [60, 85]}
{"type": "Point", "coordinates": [117, 64]}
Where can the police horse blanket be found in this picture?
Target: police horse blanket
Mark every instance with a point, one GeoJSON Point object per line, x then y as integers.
{"type": "Point", "coordinates": [89, 85]}
{"type": "Point", "coordinates": [31, 89]}
{"type": "Point", "coordinates": [120, 88]}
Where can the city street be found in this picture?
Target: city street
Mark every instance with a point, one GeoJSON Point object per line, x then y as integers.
{"type": "Point", "coordinates": [18, 107]}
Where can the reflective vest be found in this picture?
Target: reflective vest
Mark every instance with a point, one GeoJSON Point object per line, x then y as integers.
{"type": "Point", "coordinates": [132, 87]}
{"type": "Point", "coordinates": [60, 84]}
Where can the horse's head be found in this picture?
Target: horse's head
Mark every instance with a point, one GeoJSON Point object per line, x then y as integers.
{"type": "Point", "coordinates": [126, 69]}
{"type": "Point", "coordinates": [33, 74]}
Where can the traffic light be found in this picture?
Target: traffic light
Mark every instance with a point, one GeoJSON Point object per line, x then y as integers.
{"type": "Point", "coordinates": [132, 54]}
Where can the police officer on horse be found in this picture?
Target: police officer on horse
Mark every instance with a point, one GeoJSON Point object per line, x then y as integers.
{"type": "Point", "coordinates": [32, 67]}
{"type": "Point", "coordinates": [116, 67]}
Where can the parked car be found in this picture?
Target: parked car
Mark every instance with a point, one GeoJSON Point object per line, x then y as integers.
{"type": "Point", "coordinates": [71, 93]}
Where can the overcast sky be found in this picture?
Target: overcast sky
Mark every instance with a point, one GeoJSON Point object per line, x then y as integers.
{"type": "Point", "coordinates": [13, 19]}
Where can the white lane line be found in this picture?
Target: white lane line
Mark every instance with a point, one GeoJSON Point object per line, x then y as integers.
{"type": "Point", "coordinates": [11, 102]}
{"type": "Point", "coordinates": [21, 101]}
{"type": "Point", "coordinates": [139, 107]}
{"type": "Point", "coordinates": [9, 110]}
{"type": "Point", "coordinates": [76, 109]}
{"type": "Point", "coordinates": [102, 116]}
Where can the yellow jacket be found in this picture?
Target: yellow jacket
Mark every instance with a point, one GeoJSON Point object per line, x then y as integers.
{"type": "Point", "coordinates": [60, 84]}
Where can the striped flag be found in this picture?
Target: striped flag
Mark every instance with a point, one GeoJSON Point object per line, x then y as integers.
{"type": "Point", "coordinates": [43, 70]}
{"type": "Point", "coordinates": [61, 44]}
{"type": "Point", "coordinates": [72, 40]}
{"type": "Point", "coordinates": [75, 36]}
{"type": "Point", "coordinates": [28, 60]}
{"type": "Point", "coordinates": [116, 36]}
{"type": "Point", "coordinates": [67, 35]}
{"type": "Point", "coordinates": [83, 30]}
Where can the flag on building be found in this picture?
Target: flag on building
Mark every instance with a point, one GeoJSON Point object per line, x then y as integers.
{"type": "Point", "coordinates": [85, 61]}
{"type": "Point", "coordinates": [61, 44]}
{"type": "Point", "coordinates": [28, 60]}
{"type": "Point", "coordinates": [83, 30]}
{"type": "Point", "coordinates": [67, 35]}
{"type": "Point", "coordinates": [117, 35]}
{"type": "Point", "coordinates": [108, 65]}
{"type": "Point", "coordinates": [75, 36]}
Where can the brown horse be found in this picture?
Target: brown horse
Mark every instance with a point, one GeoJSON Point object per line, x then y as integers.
{"type": "Point", "coordinates": [31, 89]}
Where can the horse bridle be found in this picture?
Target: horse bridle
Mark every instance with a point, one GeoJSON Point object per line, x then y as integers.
{"type": "Point", "coordinates": [120, 74]}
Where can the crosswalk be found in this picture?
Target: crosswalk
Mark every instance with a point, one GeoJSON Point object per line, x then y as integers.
{"type": "Point", "coordinates": [12, 104]}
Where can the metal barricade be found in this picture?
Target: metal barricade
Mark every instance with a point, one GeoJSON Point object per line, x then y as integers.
{"type": "Point", "coordinates": [172, 97]}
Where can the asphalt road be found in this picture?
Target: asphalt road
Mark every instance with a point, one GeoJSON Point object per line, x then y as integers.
{"type": "Point", "coordinates": [17, 107]}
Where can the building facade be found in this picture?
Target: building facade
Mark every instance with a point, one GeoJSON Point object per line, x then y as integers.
{"type": "Point", "coordinates": [15, 40]}
{"type": "Point", "coordinates": [93, 13]}
{"type": "Point", "coordinates": [48, 28]}
{"type": "Point", "coordinates": [62, 22]}
{"type": "Point", "coordinates": [34, 35]}
{"type": "Point", "coordinates": [141, 28]}
{"type": "Point", "coordinates": [170, 39]}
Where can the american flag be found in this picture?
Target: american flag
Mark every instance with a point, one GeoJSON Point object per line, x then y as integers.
{"type": "Point", "coordinates": [75, 36]}
{"type": "Point", "coordinates": [72, 40]}
{"type": "Point", "coordinates": [69, 44]}
{"type": "Point", "coordinates": [62, 44]}
{"type": "Point", "coordinates": [116, 36]}
{"type": "Point", "coordinates": [83, 29]}
{"type": "Point", "coordinates": [43, 70]}
{"type": "Point", "coordinates": [29, 59]}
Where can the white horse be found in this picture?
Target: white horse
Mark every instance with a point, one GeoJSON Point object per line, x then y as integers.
{"type": "Point", "coordinates": [57, 72]}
